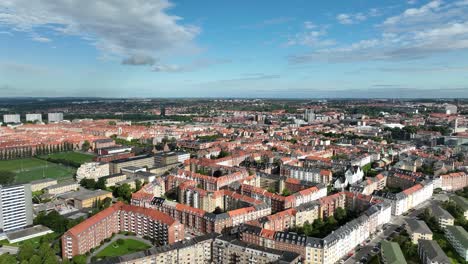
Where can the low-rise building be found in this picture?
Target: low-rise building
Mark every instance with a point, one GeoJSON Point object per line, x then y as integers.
{"type": "Point", "coordinates": [417, 230]}
{"type": "Point", "coordinates": [431, 253]}
{"type": "Point", "coordinates": [62, 188]}
{"type": "Point", "coordinates": [92, 170]}
{"type": "Point", "coordinates": [443, 217]}
{"type": "Point", "coordinates": [462, 203]}
{"type": "Point", "coordinates": [85, 198]}
{"type": "Point", "coordinates": [391, 253]}
{"type": "Point", "coordinates": [38, 185]}
{"type": "Point", "coordinates": [458, 238]}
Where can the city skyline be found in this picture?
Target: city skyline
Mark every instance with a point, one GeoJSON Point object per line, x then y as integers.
{"type": "Point", "coordinates": [299, 49]}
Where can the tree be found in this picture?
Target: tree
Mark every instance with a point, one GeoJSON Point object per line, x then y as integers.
{"type": "Point", "coordinates": [7, 258]}
{"type": "Point", "coordinates": [124, 191]}
{"type": "Point", "coordinates": [6, 177]}
{"type": "Point", "coordinates": [86, 145]}
{"type": "Point", "coordinates": [286, 192]}
{"type": "Point", "coordinates": [101, 184]}
{"type": "Point", "coordinates": [79, 259]}
{"type": "Point", "coordinates": [138, 185]}
{"type": "Point", "coordinates": [88, 183]}
{"type": "Point", "coordinates": [35, 260]}
{"type": "Point", "coordinates": [340, 215]}
{"type": "Point", "coordinates": [26, 251]}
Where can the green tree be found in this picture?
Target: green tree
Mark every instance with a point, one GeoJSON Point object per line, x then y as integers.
{"type": "Point", "coordinates": [86, 145]}
{"type": "Point", "coordinates": [340, 215]}
{"type": "Point", "coordinates": [101, 184]}
{"type": "Point", "coordinates": [286, 192]}
{"type": "Point", "coordinates": [88, 183]}
{"type": "Point", "coordinates": [7, 258]}
{"type": "Point", "coordinates": [124, 191]}
{"type": "Point", "coordinates": [26, 251]}
{"type": "Point", "coordinates": [35, 260]}
{"type": "Point", "coordinates": [6, 177]}
{"type": "Point", "coordinates": [79, 259]}
{"type": "Point", "coordinates": [138, 185]}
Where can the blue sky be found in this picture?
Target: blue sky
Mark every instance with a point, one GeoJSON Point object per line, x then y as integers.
{"type": "Point", "coordinates": [299, 49]}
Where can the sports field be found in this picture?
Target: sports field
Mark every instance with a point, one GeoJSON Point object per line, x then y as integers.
{"type": "Point", "coordinates": [31, 169]}
{"type": "Point", "coordinates": [71, 156]}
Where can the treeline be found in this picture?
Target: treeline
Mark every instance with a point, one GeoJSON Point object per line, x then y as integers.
{"type": "Point", "coordinates": [130, 117]}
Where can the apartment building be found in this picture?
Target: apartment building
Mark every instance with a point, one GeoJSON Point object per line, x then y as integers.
{"type": "Point", "coordinates": [15, 207]}
{"type": "Point", "coordinates": [462, 202]}
{"type": "Point", "coordinates": [42, 184]}
{"type": "Point", "coordinates": [417, 230]}
{"type": "Point", "coordinates": [315, 175]}
{"type": "Point", "coordinates": [33, 117]}
{"type": "Point", "coordinates": [443, 217]}
{"type": "Point", "coordinates": [454, 181]}
{"type": "Point", "coordinates": [229, 250]}
{"type": "Point", "coordinates": [431, 253]}
{"type": "Point", "coordinates": [391, 253]}
{"type": "Point", "coordinates": [12, 118]}
{"type": "Point", "coordinates": [55, 117]}
{"type": "Point", "coordinates": [458, 238]}
{"type": "Point", "coordinates": [120, 217]}
{"type": "Point", "coordinates": [408, 198]}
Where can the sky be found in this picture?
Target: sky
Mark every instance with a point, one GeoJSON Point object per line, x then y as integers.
{"type": "Point", "coordinates": [242, 48]}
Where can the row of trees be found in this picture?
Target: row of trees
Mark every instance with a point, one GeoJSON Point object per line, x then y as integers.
{"type": "Point", "coordinates": [56, 222]}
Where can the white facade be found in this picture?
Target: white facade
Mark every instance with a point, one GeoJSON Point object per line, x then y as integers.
{"type": "Point", "coordinates": [33, 117]}
{"type": "Point", "coordinates": [11, 118]}
{"type": "Point", "coordinates": [354, 175]}
{"type": "Point", "coordinates": [15, 207]}
{"type": "Point", "coordinates": [55, 117]}
{"type": "Point", "coordinates": [92, 170]}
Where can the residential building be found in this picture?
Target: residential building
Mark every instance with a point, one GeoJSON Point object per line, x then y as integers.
{"type": "Point", "coordinates": [33, 117]}
{"type": "Point", "coordinates": [443, 217]}
{"type": "Point", "coordinates": [462, 203]}
{"type": "Point", "coordinates": [120, 217]}
{"type": "Point", "coordinates": [15, 207]}
{"type": "Point", "coordinates": [229, 250]}
{"type": "Point", "coordinates": [454, 181]}
{"type": "Point", "coordinates": [54, 117]}
{"type": "Point", "coordinates": [458, 238]}
{"type": "Point", "coordinates": [391, 253]}
{"type": "Point", "coordinates": [13, 118]}
{"type": "Point", "coordinates": [417, 229]}
{"type": "Point", "coordinates": [137, 161]}
{"type": "Point", "coordinates": [315, 175]}
{"type": "Point", "coordinates": [431, 253]}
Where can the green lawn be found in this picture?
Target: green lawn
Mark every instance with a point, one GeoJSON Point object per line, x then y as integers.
{"type": "Point", "coordinates": [129, 246]}
{"type": "Point", "coordinates": [31, 169]}
{"type": "Point", "coordinates": [71, 156]}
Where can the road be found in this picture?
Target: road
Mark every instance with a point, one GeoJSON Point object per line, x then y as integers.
{"type": "Point", "coordinates": [395, 222]}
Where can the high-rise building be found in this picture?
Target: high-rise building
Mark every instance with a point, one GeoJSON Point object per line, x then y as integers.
{"type": "Point", "coordinates": [55, 117]}
{"type": "Point", "coordinates": [33, 117]}
{"type": "Point", "coordinates": [14, 118]}
{"type": "Point", "coordinates": [309, 115]}
{"type": "Point", "coordinates": [15, 207]}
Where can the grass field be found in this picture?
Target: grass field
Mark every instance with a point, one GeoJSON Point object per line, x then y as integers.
{"type": "Point", "coordinates": [71, 156]}
{"type": "Point", "coordinates": [31, 169]}
{"type": "Point", "coordinates": [129, 246]}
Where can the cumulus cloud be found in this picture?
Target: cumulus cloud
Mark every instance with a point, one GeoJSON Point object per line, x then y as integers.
{"type": "Point", "coordinates": [416, 33]}
{"type": "Point", "coordinates": [41, 39]}
{"type": "Point", "coordinates": [313, 36]}
{"type": "Point", "coordinates": [138, 60]}
{"type": "Point", "coordinates": [355, 18]}
{"type": "Point", "coordinates": [119, 28]}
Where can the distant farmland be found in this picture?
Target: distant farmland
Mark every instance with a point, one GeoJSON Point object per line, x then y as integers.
{"type": "Point", "coordinates": [31, 169]}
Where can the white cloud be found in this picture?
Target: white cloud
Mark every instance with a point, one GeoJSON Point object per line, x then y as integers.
{"type": "Point", "coordinates": [344, 19]}
{"type": "Point", "coordinates": [312, 38]}
{"type": "Point", "coordinates": [193, 66]}
{"type": "Point", "coordinates": [41, 39]}
{"type": "Point", "coordinates": [120, 28]}
{"type": "Point", "coordinates": [309, 25]}
{"type": "Point", "coordinates": [435, 27]}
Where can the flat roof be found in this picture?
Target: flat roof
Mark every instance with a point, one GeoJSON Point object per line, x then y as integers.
{"type": "Point", "coordinates": [28, 232]}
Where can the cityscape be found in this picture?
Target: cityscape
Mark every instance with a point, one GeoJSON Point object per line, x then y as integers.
{"type": "Point", "coordinates": [233, 132]}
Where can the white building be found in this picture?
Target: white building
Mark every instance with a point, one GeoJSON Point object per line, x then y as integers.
{"type": "Point", "coordinates": [33, 117]}
{"type": "Point", "coordinates": [354, 174]}
{"type": "Point", "coordinates": [15, 207]}
{"type": "Point", "coordinates": [92, 170]}
{"type": "Point", "coordinates": [15, 118]}
{"type": "Point", "coordinates": [54, 117]}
